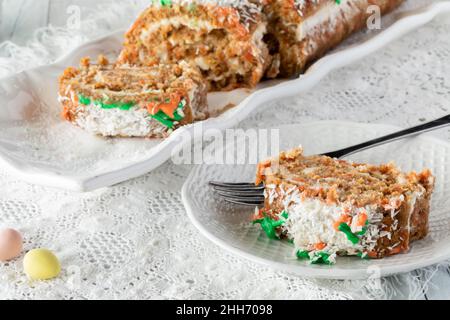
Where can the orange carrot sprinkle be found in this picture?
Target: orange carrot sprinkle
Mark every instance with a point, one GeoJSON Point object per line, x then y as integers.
{"type": "Point", "coordinates": [361, 220]}
{"type": "Point", "coordinates": [320, 245]}
{"type": "Point", "coordinates": [248, 55]}
{"type": "Point", "coordinates": [258, 215]}
{"type": "Point", "coordinates": [343, 218]}
{"type": "Point", "coordinates": [260, 170]}
{"type": "Point", "coordinates": [167, 107]}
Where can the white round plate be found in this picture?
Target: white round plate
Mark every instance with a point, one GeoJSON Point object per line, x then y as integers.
{"type": "Point", "coordinates": [42, 149]}
{"type": "Point", "coordinates": [229, 225]}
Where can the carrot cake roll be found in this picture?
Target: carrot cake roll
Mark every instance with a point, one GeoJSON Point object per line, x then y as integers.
{"type": "Point", "coordinates": [125, 101]}
{"type": "Point", "coordinates": [329, 207]}
{"type": "Point", "coordinates": [304, 30]}
{"type": "Point", "coordinates": [223, 38]}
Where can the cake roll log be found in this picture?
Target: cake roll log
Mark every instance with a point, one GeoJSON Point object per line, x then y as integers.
{"type": "Point", "coordinates": [304, 30]}
{"type": "Point", "coordinates": [331, 207]}
{"type": "Point", "coordinates": [224, 39]}
{"type": "Point", "coordinates": [110, 100]}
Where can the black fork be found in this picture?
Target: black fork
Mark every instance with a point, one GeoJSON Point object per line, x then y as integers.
{"type": "Point", "coordinates": [245, 193]}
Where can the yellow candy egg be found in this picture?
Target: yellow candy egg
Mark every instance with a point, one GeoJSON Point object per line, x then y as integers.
{"type": "Point", "coordinates": [10, 244]}
{"type": "Point", "coordinates": [41, 264]}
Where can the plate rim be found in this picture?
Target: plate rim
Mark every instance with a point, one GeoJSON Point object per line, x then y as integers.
{"type": "Point", "coordinates": [311, 271]}
{"type": "Point", "coordinates": [407, 22]}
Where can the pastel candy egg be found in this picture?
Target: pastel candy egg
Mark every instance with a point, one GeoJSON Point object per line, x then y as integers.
{"type": "Point", "coordinates": [41, 264]}
{"type": "Point", "coordinates": [10, 244]}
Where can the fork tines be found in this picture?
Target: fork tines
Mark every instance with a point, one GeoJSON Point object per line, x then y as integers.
{"type": "Point", "coordinates": [240, 193]}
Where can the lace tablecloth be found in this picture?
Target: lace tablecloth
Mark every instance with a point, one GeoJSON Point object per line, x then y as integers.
{"type": "Point", "coordinates": [134, 240]}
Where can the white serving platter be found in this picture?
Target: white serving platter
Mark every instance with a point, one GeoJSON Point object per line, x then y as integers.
{"type": "Point", "coordinates": [40, 148]}
{"type": "Point", "coordinates": [230, 227]}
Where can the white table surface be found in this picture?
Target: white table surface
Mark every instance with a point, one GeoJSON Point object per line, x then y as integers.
{"type": "Point", "coordinates": [19, 18]}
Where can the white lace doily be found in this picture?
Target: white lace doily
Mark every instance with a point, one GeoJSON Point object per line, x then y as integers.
{"type": "Point", "coordinates": [135, 241]}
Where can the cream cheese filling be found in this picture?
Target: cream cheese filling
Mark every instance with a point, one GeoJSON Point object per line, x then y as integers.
{"type": "Point", "coordinates": [311, 221]}
{"type": "Point", "coordinates": [116, 122]}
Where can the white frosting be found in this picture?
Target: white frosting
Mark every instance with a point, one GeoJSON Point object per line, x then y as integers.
{"type": "Point", "coordinates": [116, 122]}
{"type": "Point", "coordinates": [330, 12]}
{"type": "Point", "coordinates": [311, 221]}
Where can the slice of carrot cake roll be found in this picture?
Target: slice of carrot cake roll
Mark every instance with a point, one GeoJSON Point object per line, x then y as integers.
{"type": "Point", "coordinates": [223, 38]}
{"type": "Point", "coordinates": [151, 102]}
{"type": "Point", "coordinates": [330, 207]}
{"type": "Point", "coordinates": [304, 30]}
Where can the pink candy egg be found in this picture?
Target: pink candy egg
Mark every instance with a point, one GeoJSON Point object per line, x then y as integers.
{"type": "Point", "coordinates": [10, 244]}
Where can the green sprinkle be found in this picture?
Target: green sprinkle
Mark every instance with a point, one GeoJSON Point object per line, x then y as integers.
{"type": "Point", "coordinates": [348, 232]}
{"type": "Point", "coordinates": [269, 226]}
{"type": "Point", "coordinates": [284, 214]}
{"type": "Point", "coordinates": [302, 254]}
{"type": "Point", "coordinates": [176, 114]}
{"type": "Point", "coordinates": [165, 120]}
{"type": "Point", "coordinates": [321, 258]}
{"type": "Point", "coordinates": [363, 256]}
{"type": "Point", "coordinates": [177, 117]}
{"type": "Point", "coordinates": [165, 3]}
{"type": "Point", "coordinates": [116, 105]}
{"type": "Point", "coordinates": [84, 100]}
{"type": "Point", "coordinates": [338, 1]}
{"type": "Point", "coordinates": [125, 106]}
{"type": "Point", "coordinates": [162, 118]}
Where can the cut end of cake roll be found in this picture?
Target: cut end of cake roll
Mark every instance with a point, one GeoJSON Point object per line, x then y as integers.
{"type": "Point", "coordinates": [329, 207]}
{"type": "Point", "coordinates": [110, 100]}
{"type": "Point", "coordinates": [304, 30]}
{"type": "Point", "coordinates": [223, 39]}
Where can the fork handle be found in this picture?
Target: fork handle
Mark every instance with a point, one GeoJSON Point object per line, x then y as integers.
{"type": "Point", "coordinates": [432, 125]}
